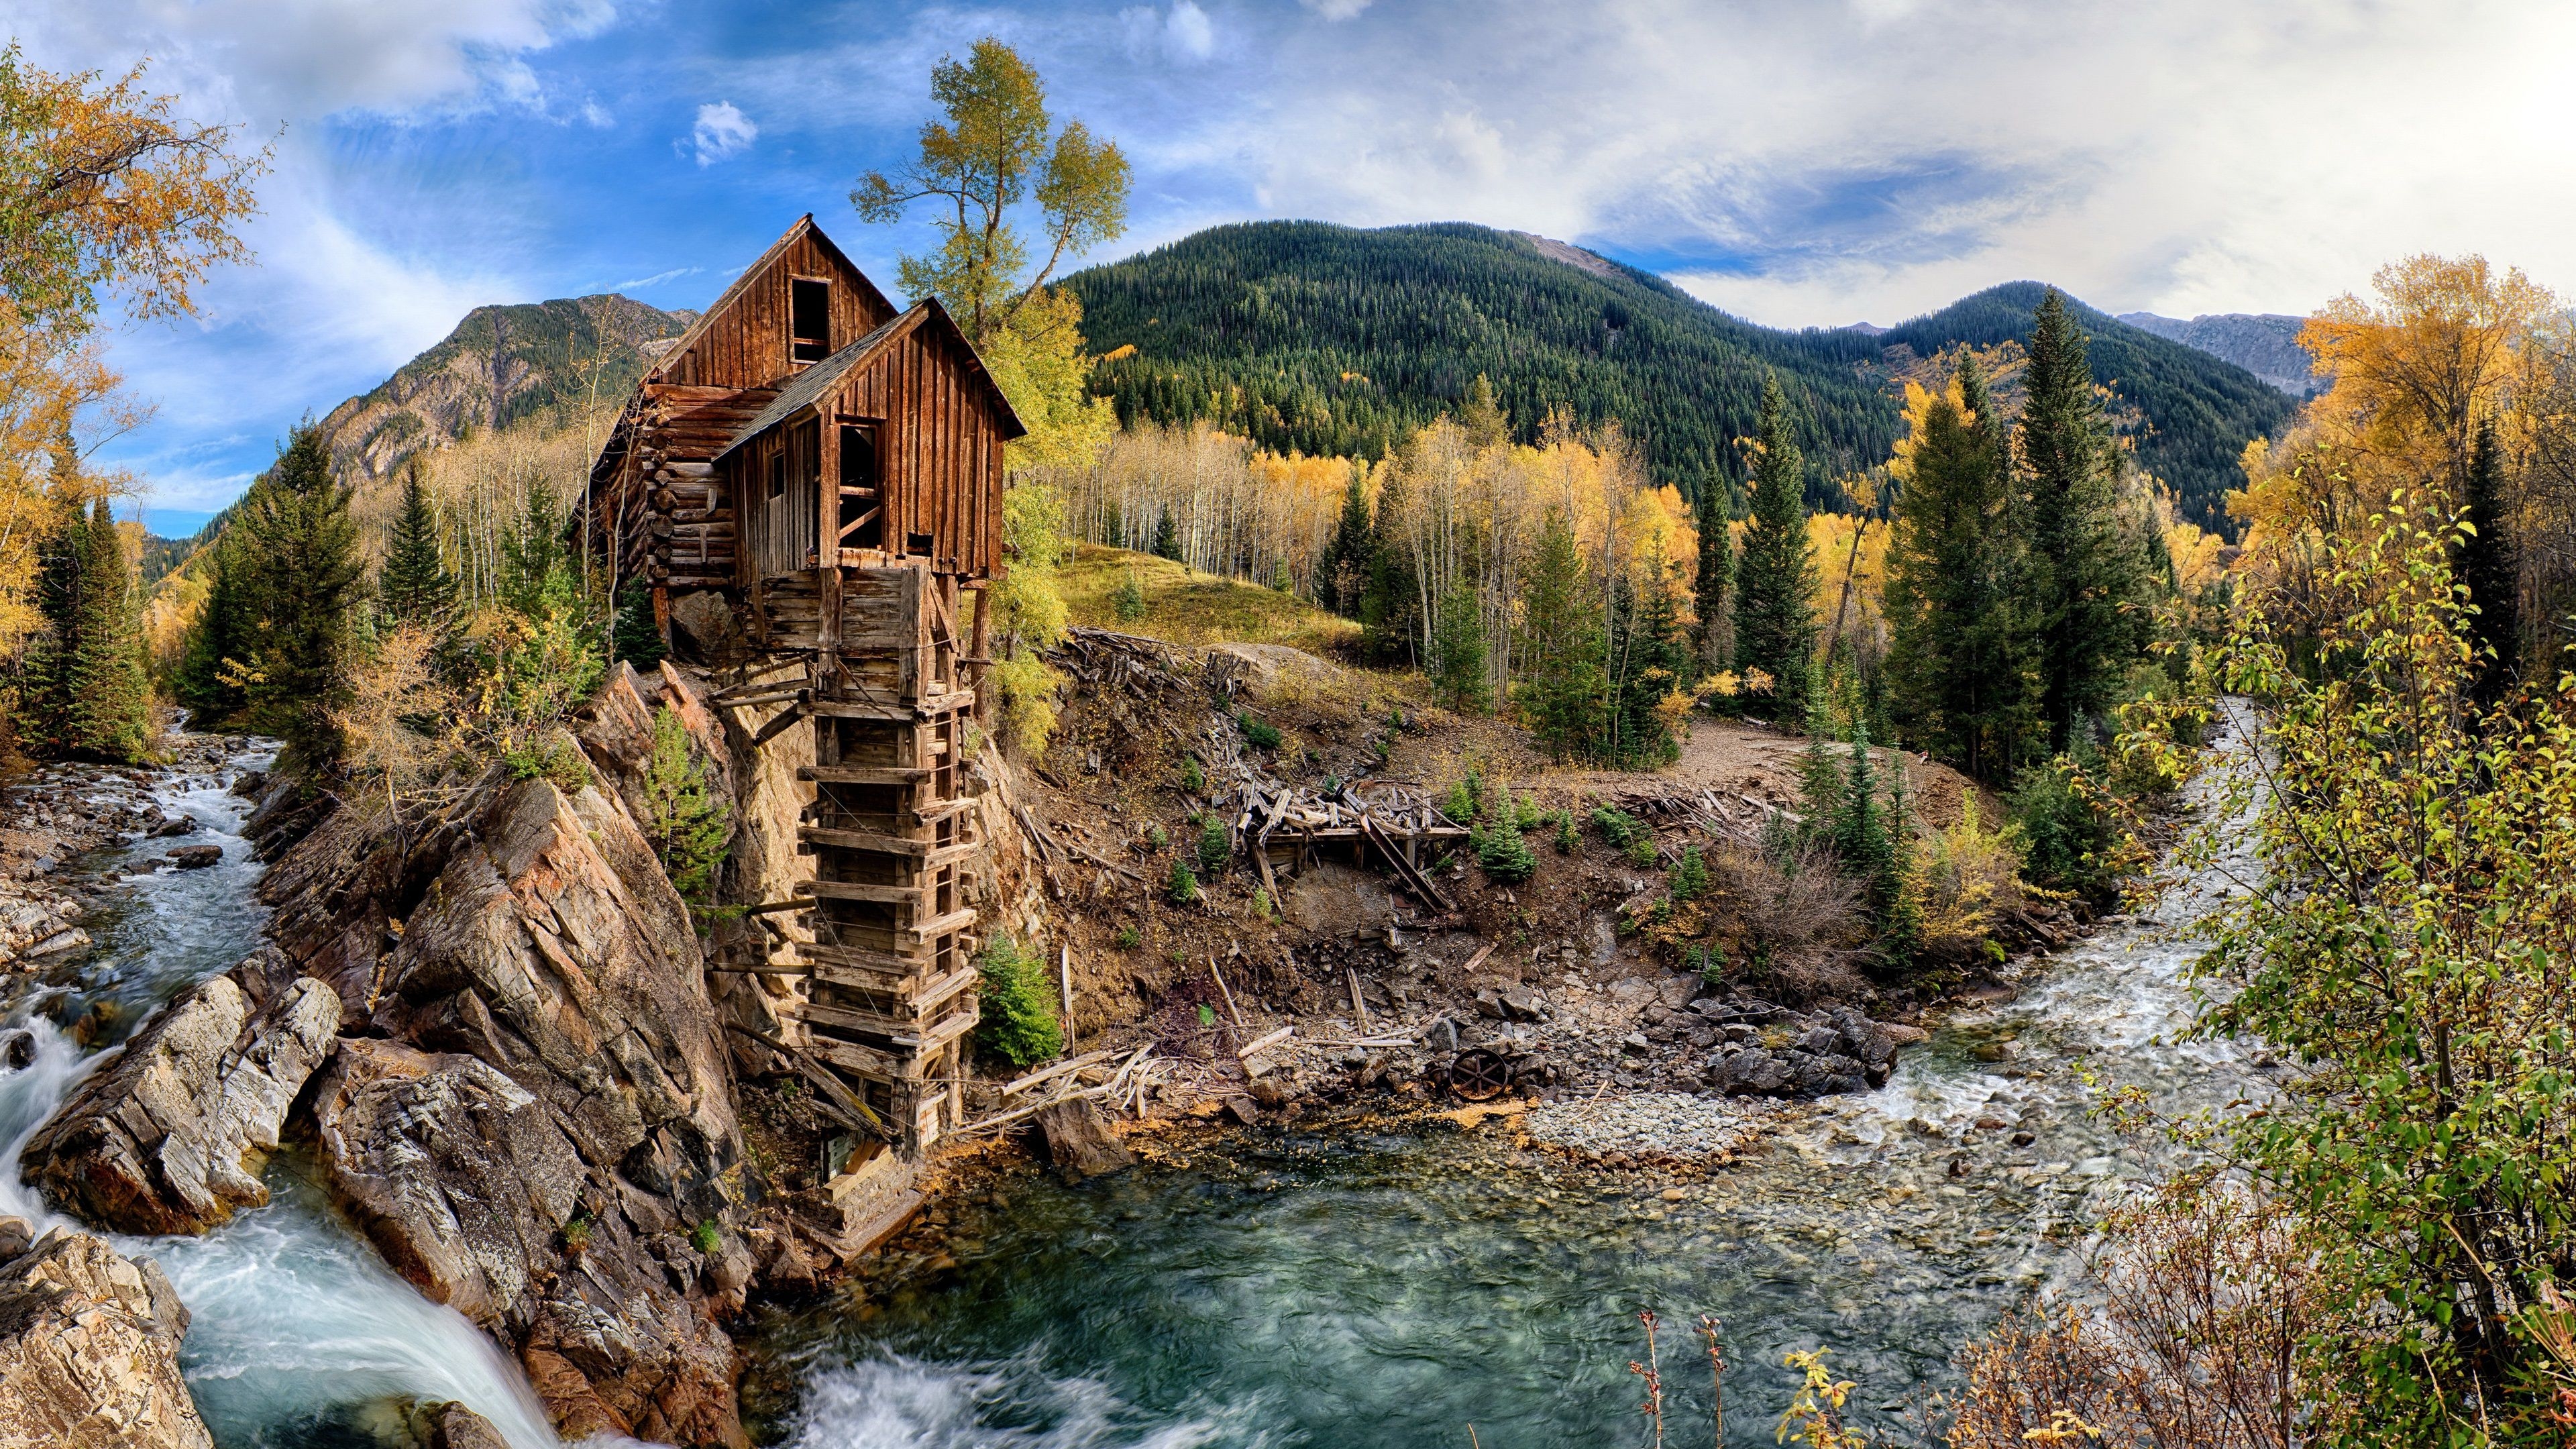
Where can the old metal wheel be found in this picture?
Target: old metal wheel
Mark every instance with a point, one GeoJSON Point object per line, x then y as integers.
{"type": "Point", "coordinates": [1479, 1076]}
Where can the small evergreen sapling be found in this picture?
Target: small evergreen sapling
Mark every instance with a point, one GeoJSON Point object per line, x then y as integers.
{"type": "Point", "coordinates": [1183, 888]}
{"type": "Point", "coordinates": [1018, 1023]}
{"type": "Point", "coordinates": [1216, 846]}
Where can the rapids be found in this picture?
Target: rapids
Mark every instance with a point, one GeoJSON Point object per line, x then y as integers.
{"type": "Point", "coordinates": [1279, 1288]}
{"type": "Point", "coordinates": [301, 1338]}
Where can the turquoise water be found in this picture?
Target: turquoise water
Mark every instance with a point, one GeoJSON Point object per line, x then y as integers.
{"type": "Point", "coordinates": [301, 1337]}
{"type": "Point", "coordinates": [1352, 1292]}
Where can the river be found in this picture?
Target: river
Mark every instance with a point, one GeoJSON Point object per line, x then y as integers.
{"type": "Point", "coordinates": [1268, 1288]}
{"type": "Point", "coordinates": [1352, 1292]}
{"type": "Point", "coordinates": [301, 1337]}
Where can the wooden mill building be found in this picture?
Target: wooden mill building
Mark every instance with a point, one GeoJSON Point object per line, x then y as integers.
{"type": "Point", "coordinates": [830, 470]}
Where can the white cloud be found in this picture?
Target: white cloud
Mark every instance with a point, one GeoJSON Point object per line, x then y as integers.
{"type": "Point", "coordinates": [1336, 9]}
{"type": "Point", "coordinates": [1822, 163]}
{"type": "Point", "coordinates": [722, 131]}
{"type": "Point", "coordinates": [1184, 33]}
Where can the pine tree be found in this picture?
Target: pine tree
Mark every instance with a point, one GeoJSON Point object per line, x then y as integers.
{"type": "Point", "coordinates": [2085, 578]}
{"type": "Point", "coordinates": [1388, 606]}
{"type": "Point", "coordinates": [1561, 683]}
{"type": "Point", "coordinates": [1342, 573]}
{"type": "Point", "coordinates": [1959, 652]}
{"type": "Point", "coordinates": [635, 638]}
{"type": "Point", "coordinates": [1715, 580]}
{"type": "Point", "coordinates": [204, 683]}
{"type": "Point", "coordinates": [1167, 538]}
{"type": "Point", "coordinates": [1775, 580]}
{"type": "Point", "coordinates": [414, 586]}
{"type": "Point", "coordinates": [1820, 784]}
{"type": "Point", "coordinates": [1458, 652]}
{"type": "Point", "coordinates": [301, 580]}
{"type": "Point", "coordinates": [1651, 660]}
{"type": "Point", "coordinates": [2488, 568]}
{"type": "Point", "coordinates": [106, 704]}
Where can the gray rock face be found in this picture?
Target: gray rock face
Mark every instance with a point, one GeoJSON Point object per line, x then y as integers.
{"type": "Point", "coordinates": [553, 1057]}
{"type": "Point", "coordinates": [89, 1349]}
{"type": "Point", "coordinates": [166, 1138]}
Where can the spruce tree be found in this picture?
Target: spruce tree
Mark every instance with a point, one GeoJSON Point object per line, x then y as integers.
{"type": "Point", "coordinates": [1481, 417]}
{"type": "Point", "coordinates": [1458, 652]}
{"type": "Point", "coordinates": [1341, 574]}
{"type": "Point", "coordinates": [1715, 580]}
{"type": "Point", "coordinates": [1775, 580]}
{"type": "Point", "coordinates": [1167, 538]}
{"type": "Point", "coordinates": [2085, 578]}
{"type": "Point", "coordinates": [635, 638]}
{"type": "Point", "coordinates": [302, 576]}
{"type": "Point", "coordinates": [205, 683]}
{"type": "Point", "coordinates": [2488, 568]}
{"type": "Point", "coordinates": [106, 704]}
{"type": "Point", "coordinates": [414, 586]}
{"type": "Point", "coordinates": [1958, 655]}
{"type": "Point", "coordinates": [1561, 684]}
{"type": "Point", "coordinates": [1389, 606]}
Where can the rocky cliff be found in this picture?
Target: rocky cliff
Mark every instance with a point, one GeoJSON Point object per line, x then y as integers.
{"type": "Point", "coordinates": [2265, 344]}
{"type": "Point", "coordinates": [501, 364]}
{"type": "Point", "coordinates": [532, 1111]}
{"type": "Point", "coordinates": [89, 1348]}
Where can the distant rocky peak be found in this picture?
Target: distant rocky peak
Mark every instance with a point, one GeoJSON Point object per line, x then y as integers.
{"type": "Point", "coordinates": [2265, 344]}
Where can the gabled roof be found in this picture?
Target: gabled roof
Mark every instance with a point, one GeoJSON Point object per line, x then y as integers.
{"type": "Point", "coordinates": [804, 226]}
{"type": "Point", "coordinates": [817, 381]}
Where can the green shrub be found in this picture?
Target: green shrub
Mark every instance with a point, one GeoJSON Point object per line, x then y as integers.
{"type": "Point", "coordinates": [1128, 938]}
{"type": "Point", "coordinates": [2067, 834]}
{"type": "Point", "coordinates": [1131, 599]}
{"type": "Point", "coordinates": [1641, 851]}
{"type": "Point", "coordinates": [554, 757]}
{"type": "Point", "coordinates": [1019, 1022]}
{"type": "Point", "coordinates": [1193, 779]}
{"type": "Point", "coordinates": [1617, 826]}
{"type": "Point", "coordinates": [1565, 837]}
{"type": "Point", "coordinates": [1505, 854]}
{"type": "Point", "coordinates": [1525, 812]}
{"type": "Point", "coordinates": [1707, 962]}
{"type": "Point", "coordinates": [1466, 799]}
{"type": "Point", "coordinates": [1216, 847]}
{"type": "Point", "coordinates": [1255, 733]}
{"type": "Point", "coordinates": [1262, 905]}
{"type": "Point", "coordinates": [708, 1237]}
{"type": "Point", "coordinates": [1183, 888]}
{"type": "Point", "coordinates": [1161, 838]}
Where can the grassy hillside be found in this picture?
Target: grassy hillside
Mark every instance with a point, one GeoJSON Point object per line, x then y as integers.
{"type": "Point", "coordinates": [1328, 339]}
{"type": "Point", "coordinates": [1186, 607]}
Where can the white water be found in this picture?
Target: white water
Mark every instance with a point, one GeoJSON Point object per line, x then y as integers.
{"type": "Point", "coordinates": [300, 1334]}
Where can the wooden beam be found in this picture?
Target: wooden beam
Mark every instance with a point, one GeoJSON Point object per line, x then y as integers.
{"type": "Point", "coordinates": [862, 774]}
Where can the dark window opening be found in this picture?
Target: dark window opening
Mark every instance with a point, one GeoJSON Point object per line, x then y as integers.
{"type": "Point", "coordinates": [778, 474]}
{"type": "Point", "coordinates": [916, 543]}
{"type": "Point", "coordinates": [809, 308]}
{"type": "Point", "coordinates": [862, 496]}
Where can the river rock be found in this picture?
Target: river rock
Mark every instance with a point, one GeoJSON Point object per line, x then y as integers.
{"type": "Point", "coordinates": [89, 1350]}
{"type": "Point", "coordinates": [196, 857]}
{"type": "Point", "coordinates": [532, 930]}
{"type": "Point", "coordinates": [164, 1139]}
{"type": "Point", "coordinates": [454, 1426]}
{"type": "Point", "coordinates": [1078, 1141]}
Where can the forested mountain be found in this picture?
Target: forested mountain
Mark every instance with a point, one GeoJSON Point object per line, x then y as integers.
{"type": "Point", "coordinates": [2265, 344]}
{"type": "Point", "coordinates": [502, 363]}
{"type": "Point", "coordinates": [1330, 339]}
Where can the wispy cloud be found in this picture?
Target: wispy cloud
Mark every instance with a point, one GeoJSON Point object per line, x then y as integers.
{"type": "Point", "coordinates": [722, 132]}
{"type": "Point", "coordinates": [638, 284]}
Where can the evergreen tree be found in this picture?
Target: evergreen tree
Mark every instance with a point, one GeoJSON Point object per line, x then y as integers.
{"type": "Point", "coordinates": [1561, 683]}
{"type": "Point", "coordinates": [203, 682]}
{"type": "Point", "coordinates": [414, 586]}
{"type": "Point", "coordinates": [1342, 573]}
{"type": "Point", "coordinates": [1775, 580]}
{"type": "Point", "coordinates": [635, 638]}
{"type": "Point", "coordinates": [2085, 578]}
{"type": "Point", "coordinates": [301, 576]}
{"type": "Point", "coordinates": [1715, 580]}
{"type": "Point", "coordinates": [1650, 660]}
{"type": "Point", "coordinates": [1959, 651]}
{"type": "Point", "coordinates": [1458, 652]}
{"type": "Point", "coordinates": [1820, 784]}
{"type": "Point", "coordinates": [106, 704]}
{"type": "Point", "coordinates": [1167, 538]}
{"type": "Point", "coordinates": [1388, 607]}
{"type": "Point", "coordinates": [1481, 417]}
{"type": "Point", "coordinates": [2488, 568]}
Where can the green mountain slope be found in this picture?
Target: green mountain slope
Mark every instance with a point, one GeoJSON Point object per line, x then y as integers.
{"type": "Point", "coordinates": [501, 364]}
{"type": "Point", "coordinates": [1325, 338]}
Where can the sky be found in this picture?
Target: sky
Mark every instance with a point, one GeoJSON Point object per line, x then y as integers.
{"type": "Point", "coordinates": [1797, 162]}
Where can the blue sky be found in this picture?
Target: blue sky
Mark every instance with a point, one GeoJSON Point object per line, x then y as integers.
{"type": "Point", "coordinates": [1807, 163]}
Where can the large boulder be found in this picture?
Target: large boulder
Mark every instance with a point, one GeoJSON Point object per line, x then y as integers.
{"type": "Point", "coordinates": [89, 1348]}
{"type": "Point", "coordinates": [166, 1138]}
{"type": "Point", "coordinates": [553, 1058]}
